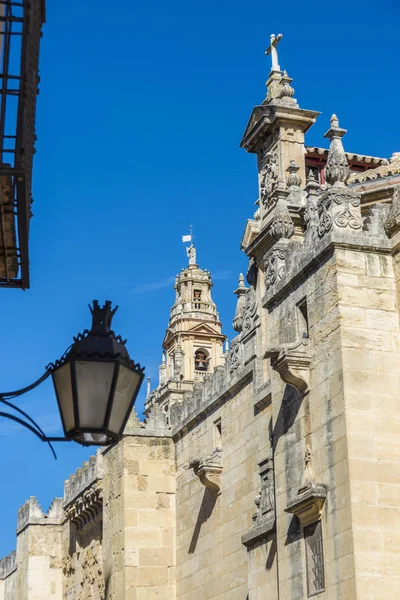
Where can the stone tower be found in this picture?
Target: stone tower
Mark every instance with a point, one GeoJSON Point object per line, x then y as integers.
{"type": "Point", "coordinates": [193, 343]}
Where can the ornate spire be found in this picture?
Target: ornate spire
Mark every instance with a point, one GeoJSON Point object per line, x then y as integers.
{"type": "Point", "coordinates": [337, 169]}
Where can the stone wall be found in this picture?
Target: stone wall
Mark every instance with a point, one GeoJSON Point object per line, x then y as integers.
{"type": "Point", "coordinates": [139, 517]}
{"type": "Point", "coordinates": [211, 559]}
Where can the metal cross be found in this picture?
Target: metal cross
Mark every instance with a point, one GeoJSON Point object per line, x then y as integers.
{"type": "Point", "coordinates": [273, 51]}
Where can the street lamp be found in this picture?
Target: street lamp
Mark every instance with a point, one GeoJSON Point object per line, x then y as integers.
{"type": "Point", "coordinates": [96, 385]}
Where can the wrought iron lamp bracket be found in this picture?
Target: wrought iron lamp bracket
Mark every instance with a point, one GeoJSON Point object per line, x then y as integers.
{"type": "Point", "coordinates": [29, 423]}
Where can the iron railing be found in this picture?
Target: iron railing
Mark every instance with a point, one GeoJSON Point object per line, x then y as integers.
{"type": "Point", "coordinates": [20, 32]}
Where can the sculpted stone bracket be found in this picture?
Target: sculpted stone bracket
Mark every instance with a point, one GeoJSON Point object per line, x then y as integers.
{"type": "Point", "coordinates": [293, 365]}
{"type": "Point", "coordinates": [307, 506]}
{"type": "Point", "coordinates": [260, 530]}
{"type": "Point", "coordinates": [209, 470]}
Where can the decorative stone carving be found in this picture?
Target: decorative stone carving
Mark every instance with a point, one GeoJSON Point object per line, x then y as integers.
{"type": "Point", "coordinates": [274, 265]}
{"type": "Point", "coordinates": [292, 362]}
{"type": "Point", "coordinates": [287, 92]}
{"type": "Point", "coordinates": [209, 469]}
{"type": "Point", "coordinates": [337, 169]}
{"type": "Point", "coordinates": [307, 506]}
{"type": "Point", "coordinates": [250, 311]}
{"type": "Point", "coordinates": [241, 304]}
{"type": "Point", "coordinates": [87, 508]}
{"type": "Point", "coordinates": [282, 225]}
{"type": "Point", "coordinates": [313, 191]}
{"type": "Point", "coordinates": [269, 177]}
{"type": "Point", "coordinates": [235, 358]}
{"type": "Point", "coordinates": [293, 179]}
{"type": "Point", "coordinates": [264, 517]}
{"type": "Point", "coordinates": [392, 223]}
{"type": "Point", "coordinates": [339, 207]}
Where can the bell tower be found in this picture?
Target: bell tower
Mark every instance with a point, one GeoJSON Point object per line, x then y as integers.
{"type": "Point", "coordinates": [193, 343]}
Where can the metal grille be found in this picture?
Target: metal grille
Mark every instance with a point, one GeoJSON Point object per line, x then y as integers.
{"type": "Point", "coordinates": [20, 31]}
{"type": "Point", "coordinates": [315, 559]}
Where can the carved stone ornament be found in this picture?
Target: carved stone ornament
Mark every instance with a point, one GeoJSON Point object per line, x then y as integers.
{"type": "Point", "coordinates": [87, 508]}
{"type": "Point", "coordinates": [392, 223]}
{"type": "Point", "coordinates": [250, 311]}
{"type": "Point", "coordinates": [282, 225]}
{"type": "Point", "coordinates": [339, 208]}
{"type": "Point", "coordinates": [307, 505]}
{"type": "Point", "coordinates": [274, 266]}
{"type": "Point", "coordinates": [268, 177]}
{"type": "Point", "coordinates": [235, 358]}
{"type": "Point", "coordinates": [313, 191]}
{"type": "Point", "coordinates": [292, 362]}
{"type": "Point", "coordinates": [264, 517]}
{"type": "Point", "coordinates": [293, 179]}
{"type": "Point", "coordinates": [337, 169]}
{"type": "Point", "coordinates": [241, 304]}
{"type": "Point", "coordinates": [209, 469]}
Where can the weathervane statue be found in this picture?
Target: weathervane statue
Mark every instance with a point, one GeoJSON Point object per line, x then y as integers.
{"type": "Point", "coordinates": [191, 250]}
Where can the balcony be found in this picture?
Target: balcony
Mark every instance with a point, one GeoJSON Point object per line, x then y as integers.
{"type": "Point", "coordinates": [20, 31]}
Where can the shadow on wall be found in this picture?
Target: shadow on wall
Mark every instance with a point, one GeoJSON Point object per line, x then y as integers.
{"type": "Point", "coordinates": [289, 408]}
{"type": "Point", "coordinates": [206, 508]}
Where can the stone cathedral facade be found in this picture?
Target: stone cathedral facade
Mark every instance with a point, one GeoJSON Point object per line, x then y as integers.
{"type": "Point", "coordinates": [269, 469]}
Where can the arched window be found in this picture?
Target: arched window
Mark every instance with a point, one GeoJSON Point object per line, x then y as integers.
{"type": "Point", "coordinates": [201, 360]}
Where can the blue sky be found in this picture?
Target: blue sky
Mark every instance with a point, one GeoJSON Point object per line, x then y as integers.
{"type": "Point", "coordinates": [140, 115]}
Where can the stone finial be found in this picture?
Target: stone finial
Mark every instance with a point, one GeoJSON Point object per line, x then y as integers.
{"type": "Point", "coordinates": [241, 304]}
{"type": "Point", "coordinates": [287, 90]}
{"type": "Point", "coordinates": [162, 370]}
{"type": "Point", "coordinates": [337, 169]}
{"type": "Point", "coordinates": [148, 390]}
{"type": "Point", "coordinates": [293, 179]}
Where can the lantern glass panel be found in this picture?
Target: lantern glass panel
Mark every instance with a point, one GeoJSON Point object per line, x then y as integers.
{"type": "Point", "coordinates": [63, 384]}
{"type": "Point", "coordinates": [125, 391]}
{"type": "Point", "coordinates": [93, 385]}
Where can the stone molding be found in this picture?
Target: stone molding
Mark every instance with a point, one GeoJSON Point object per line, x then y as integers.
{"type": "Point", "coordinates": [86, 510]}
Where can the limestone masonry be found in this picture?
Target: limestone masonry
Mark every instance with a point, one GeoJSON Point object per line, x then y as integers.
{"type": "Point", "coordinates": [268, 469]}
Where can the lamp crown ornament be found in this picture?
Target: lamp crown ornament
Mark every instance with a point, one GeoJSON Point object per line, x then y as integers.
{"type": "Point", "coordinates": [101, 317]}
